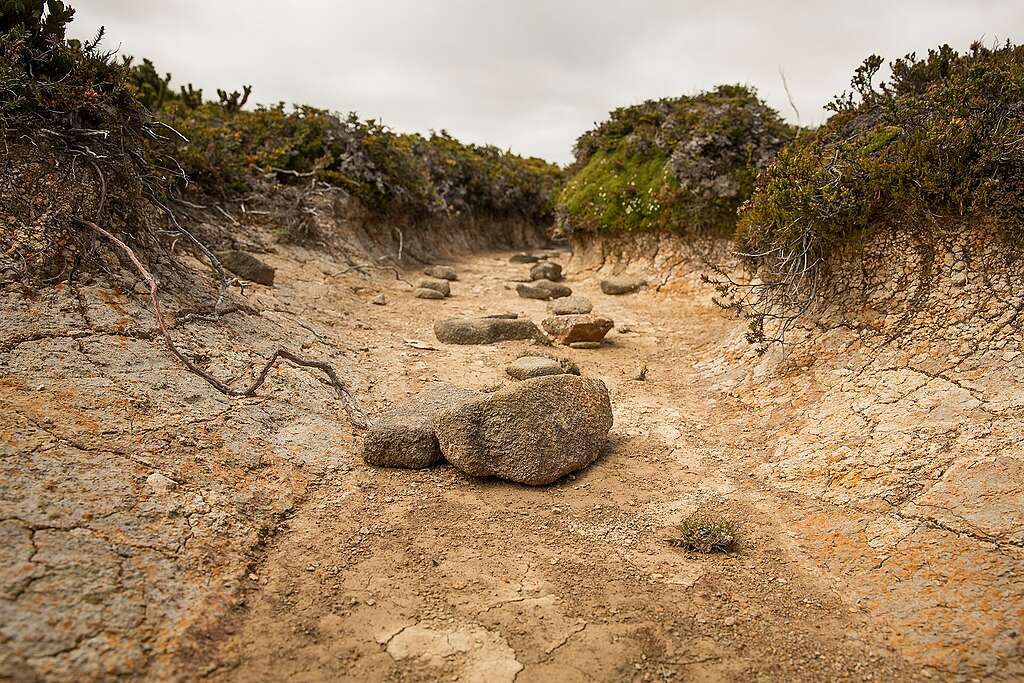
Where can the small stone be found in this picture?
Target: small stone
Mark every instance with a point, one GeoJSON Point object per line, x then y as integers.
{"type": "Point", "coordinates": [485, 330]}
{"type": "Point", "coordinates": [502, 316]}
{"type": "Point", "coordinates": [379, 300]}
{"type": "Point", "coordinates": [577, 328]}
{"type": "Point", "coordinates": [160, 482]}
{"type": "Point", "coordinates": [546, 270]}
{"type": "Point", "coordinates": [622, 284]}
{"type": "Point", "coordinates": [404, 435]}
{"type": "Point", "coordinates": [246, 266]}
{"type": "Point", "coordinates": [523, 258]}
{"type": "Point", "coordinates": [571, 305]}
{"type": "Point", "coordinates": [442, 286]}
{"type": "Point", "coordinates": [423, 293]}
{"type": "Point", "coordinates": [533, 366]}
{"type": "Point", "coordinates": [441, 272]}
{"type": "Point", "coordinates": [543, 290]}
{"type": "Point", "coordinates": [585, 345]}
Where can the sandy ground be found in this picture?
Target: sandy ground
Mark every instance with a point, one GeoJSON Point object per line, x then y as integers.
{"type": "Point", "coordinates": [273, 553]}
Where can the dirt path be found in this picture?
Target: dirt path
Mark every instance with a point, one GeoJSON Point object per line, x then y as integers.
{"type": "Point", "coordinates": [153, 529]}
{"type": "Point", "coordinates": [430, 575]}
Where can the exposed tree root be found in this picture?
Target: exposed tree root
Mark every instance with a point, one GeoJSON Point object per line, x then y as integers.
{"type": "Point", "coordinates": [356, 415]}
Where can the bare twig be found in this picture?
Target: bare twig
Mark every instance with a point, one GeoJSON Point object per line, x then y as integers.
{"type": "Point", "coordinates": [356, 415]}
{"type": "Point", "coordinates": [789, 96]}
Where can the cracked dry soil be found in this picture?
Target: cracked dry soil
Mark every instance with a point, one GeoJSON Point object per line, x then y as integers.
{"type": "Point", "coordinates": [152, 529]}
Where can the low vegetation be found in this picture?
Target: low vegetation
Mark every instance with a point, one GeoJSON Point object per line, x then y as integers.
{"type": "Point", "coordinates": [682, 164]}
{"type": "Point", "coordinates": [939, 146]}
{"type": "Point", "coordinates": [106, 139]}
{"type": "Point", "coordinates": [704, 532]}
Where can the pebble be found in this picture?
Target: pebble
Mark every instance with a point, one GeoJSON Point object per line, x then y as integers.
{"type": "Point", "coordinates": [159, 482]}
{"type": "Point", "coordinates": [585, 345]}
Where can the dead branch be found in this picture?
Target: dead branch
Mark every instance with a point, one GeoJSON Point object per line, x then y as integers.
{"type": "Point", "coordinates": [356, 415]}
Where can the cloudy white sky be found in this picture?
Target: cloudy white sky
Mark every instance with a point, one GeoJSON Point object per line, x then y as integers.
{"type": "Point", "coordinates": [530, 75]}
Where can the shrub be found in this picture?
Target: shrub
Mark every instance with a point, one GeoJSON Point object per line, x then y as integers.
{"type": "Point", "coordinates": [940, 143]}
{"type": "Point", "coordinates": [110, 140]}
{"type": "Point", "coordinates": [77, 141]}
{"type": "Point", "coordinates": [706, 533]}
{"type": "Point", "coordinates": [683, 164]}
{"type": "Point", "coordinates": [390, 173]}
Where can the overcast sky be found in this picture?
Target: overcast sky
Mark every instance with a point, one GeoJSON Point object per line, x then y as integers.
{"type": "Point", "coordinates": [530, 75]}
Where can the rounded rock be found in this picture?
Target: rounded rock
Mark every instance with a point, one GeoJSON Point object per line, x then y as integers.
{"type": "Point", "coordinates": [532, 432]}
{"type": "Point", "coordinates": [528, 367]}
{"type": "Point", "coordinates": [546, 270]}
{"type": "Point", "coordinates": [442, 286]}
{"type": "Point", "coordinates": [441, 272]}
{"type": "Point", "coordinates": [571, 305]}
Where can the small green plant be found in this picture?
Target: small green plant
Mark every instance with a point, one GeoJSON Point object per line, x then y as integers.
{"type": "Point", "coordinates": [704, 532]}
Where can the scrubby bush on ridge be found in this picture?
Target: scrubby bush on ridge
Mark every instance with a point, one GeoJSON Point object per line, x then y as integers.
{"type": "Point", "coordinates": [680, 164]}
{"type": "Point", "coordinates": [935, 150]}
{"type": "Point", "coordinates": [943, 138]}
{"type": "Point", "coordinates": [102, 138]}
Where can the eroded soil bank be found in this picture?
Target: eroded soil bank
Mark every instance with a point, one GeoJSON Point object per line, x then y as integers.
{"type": "Point", "coordinates": [154, 529]}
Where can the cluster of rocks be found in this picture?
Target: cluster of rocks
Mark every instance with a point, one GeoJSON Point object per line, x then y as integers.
{"type": "Point", "coordinates": [572, 323]}
{"type": "Point", "coordinates": [436, 284]}
{"type": "Point", "coordinates": [534, 431]}
{"type": "Point", "coordinates": [544, 283]}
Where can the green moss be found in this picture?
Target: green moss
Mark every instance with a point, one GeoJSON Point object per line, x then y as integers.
{"type": "Point", "coordinates": [682, 164]}
{"type": "Point", "coordinates": [621, 191]}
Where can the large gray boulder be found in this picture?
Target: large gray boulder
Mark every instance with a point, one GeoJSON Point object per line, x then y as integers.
{"type": "Point", "coordinates": [246, 266]}
{"type": "Point", "coordinates": [441, 272]}
{"type": "Point", "coordinates": [531, 432]}
{"type": "Point", "coordinates": [577, 328]}
{"type": "Point", "coordinates": [623, 284]}
{"type": "Point", "coordinates": [404, 435]}
{"type": "Point", "coordinates": [546, 270]}
{"type": "Point", "coordinates": [441, 286]}
{"type": "Point", "coordinates": [543, 290]}
{"type": "Point", "coordinates": [571, 305]}
{"type": "Point", "coordinates": [485, 330]}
